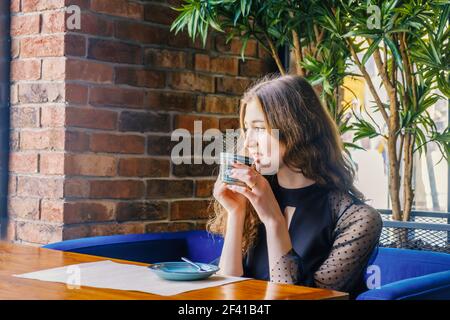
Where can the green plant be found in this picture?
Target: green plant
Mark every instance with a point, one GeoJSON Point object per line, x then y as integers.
{"type": "Point", "coordinates": [410, 48]}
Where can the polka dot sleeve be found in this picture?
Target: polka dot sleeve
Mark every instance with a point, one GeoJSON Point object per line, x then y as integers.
{"type": "Point", "coordinates": [286, 269]}
{"type": "Point", "coordinates": [356, 234]}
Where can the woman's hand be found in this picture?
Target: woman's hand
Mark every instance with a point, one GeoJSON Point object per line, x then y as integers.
{"type": "Point", "coordinates": [233, 202]}
{"type": "Point", "coordinates": [257, 191]}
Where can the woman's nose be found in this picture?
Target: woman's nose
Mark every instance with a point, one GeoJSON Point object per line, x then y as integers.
{"type": "Point", "coordinates": [250, 139]}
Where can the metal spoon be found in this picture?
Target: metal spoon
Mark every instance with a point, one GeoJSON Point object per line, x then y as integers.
{"type": "Point", "coordinates": [193, 263]}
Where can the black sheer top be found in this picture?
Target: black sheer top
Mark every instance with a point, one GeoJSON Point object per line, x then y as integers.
{"type": "Point", "coordinates": [333, 237]}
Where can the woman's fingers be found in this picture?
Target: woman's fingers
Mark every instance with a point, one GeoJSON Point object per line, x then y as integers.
{"type": "Point", "coordinates": [248, 176]}
{"type": "Point", "coordinates": [242, 190]}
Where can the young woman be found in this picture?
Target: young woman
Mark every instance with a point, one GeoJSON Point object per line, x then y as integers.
{"type": "Point", "coordinates": [306, 224]}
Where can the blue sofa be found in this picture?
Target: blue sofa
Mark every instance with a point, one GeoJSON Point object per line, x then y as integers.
{"type": "Point", "coordinates": [405, 274]}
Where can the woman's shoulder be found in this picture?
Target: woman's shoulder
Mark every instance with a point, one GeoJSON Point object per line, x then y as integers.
{"type": "Point", "coordinates": [347, 209]}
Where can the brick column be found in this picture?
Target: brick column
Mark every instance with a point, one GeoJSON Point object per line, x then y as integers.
{"type": "Point", "coordinates": [92, 113]}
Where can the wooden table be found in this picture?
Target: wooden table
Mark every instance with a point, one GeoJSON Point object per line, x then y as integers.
{"type": "Point", "coordinates": [18, 259]}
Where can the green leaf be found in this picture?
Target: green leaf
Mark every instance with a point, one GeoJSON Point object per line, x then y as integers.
{"type": "Point", "coordinates": [370, 50]}
{"type": "Point", "coordinates": [394, 50]}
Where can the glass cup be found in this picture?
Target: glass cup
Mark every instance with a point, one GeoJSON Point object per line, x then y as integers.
{"type": "Point", "coordinates": [226, 161]}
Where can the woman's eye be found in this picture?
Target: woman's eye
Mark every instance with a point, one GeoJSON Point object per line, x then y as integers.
{"type": "Point", "coordinates": [259, 129]}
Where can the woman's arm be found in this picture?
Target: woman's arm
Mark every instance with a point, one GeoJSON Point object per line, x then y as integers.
{"type": "Point", "coordinates": [231, 258]}
{"type": "Point", "coordinates": [283, 262]}
{"type": "Point", "coordinates": [357, 233]}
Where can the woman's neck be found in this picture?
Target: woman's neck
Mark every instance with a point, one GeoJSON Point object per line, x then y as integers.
{"type": "Point", "coordinates": [290, 179]}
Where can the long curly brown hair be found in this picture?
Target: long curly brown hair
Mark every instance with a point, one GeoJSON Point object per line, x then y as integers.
{"type": "Point", "coordinates": [311, 138]}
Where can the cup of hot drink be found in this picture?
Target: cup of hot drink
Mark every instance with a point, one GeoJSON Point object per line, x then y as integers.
{"type": "Point", "coordinates": [226, 164]}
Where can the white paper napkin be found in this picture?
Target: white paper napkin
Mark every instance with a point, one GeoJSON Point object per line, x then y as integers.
{"type": "Point", "coordinates": [113, 275]}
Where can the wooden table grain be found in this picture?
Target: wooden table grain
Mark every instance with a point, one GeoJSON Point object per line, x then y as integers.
{"type": "Point", "coordinates": [18, 259]}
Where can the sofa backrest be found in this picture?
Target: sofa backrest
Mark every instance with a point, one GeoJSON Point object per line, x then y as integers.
{"type": "Point", "coordinates": [198, 246]}
{"type": "Point", "coordinates": [397, 264]}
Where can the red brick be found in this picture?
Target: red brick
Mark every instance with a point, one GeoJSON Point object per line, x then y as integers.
{"type": "Point", "coordinates": [160, 145]}
{"type": "Point", "coordinates": [166, 58]}
{"type": "Point", "coordinates": [76, 141]}
{"type": "Point", "coordinates": [74, 45]}
{"type": "Point", "coordinates": [182, 40]}
{"type": "Point", "coordinates": [120, 8]}
{"type": "Point", "coordinates": [53, 68]}
{"type": "Point", "coordinates": [40, 187]}
{"type": "Point", "coordinates": [22, 162]}
{"type": "Point", "coordinates": [51, 163]}
{"type": "Point", "coordinates": [23, 208]}
{"type": "Point", "coordinates": [53, 22]}
{"type": "Point", "coordinates": [204, 188]}
{"type": "Point", "coordinates": [225, 65]}
{"type": "Point", "coordinates": [24, 117]}
{"type": "Point", "coordinates": [76, 93]}
{"type": "Point", "coordinates": [42, 46]}
{"type": "Point", "coordinates": [104, 142]}
{"type": "Point", "coordinates": [91, 118]}
{"type": "Point", "coordinates": [171, 100]}
{"type": "Point", "coordinates": [141, 33]}
{"type": "Point", "coordinates": [37, 232]}
{"type": "Point", "coordinates": [232, 85]}
{"type": "Point", "coordinates": [160, 14]}
{"type": "Point", "coordinates": [144, 121]}
{"type": "Point", "coordinates": [186, 121]}
{"type": "Point", "coordinates": [42, 139]}
{"type": "Point", "coordinates": [169, 189]}
{"type": "Point", "coordinates": [253, 68]}
{"type": "Point", "coordinates": [117, 189]}
{"type": "Point", "coordinates": [195, 170]}
{"type": "Point", "coordinates": [25, 25]}
{"type": "Point", "coordinates": [74, 187]}
{"type": "Point", "coordinates": [120, 97]}
{"type": "Point", "coordinates": [229, 123]}
{"type": "Point", "coordinates": [12, 185]}
{"type": "Point", "coordinates": [148, 210]}
{"type": "Point", "coordinates": [52, 116]}
{"type": "Point", "coordinates": [41, 92]}
{"type": "Point", "coordinates": [144, 167]}
{"type": "Point", "coordinates": [187, 210]}
{"type": "Point", "coordinates": [101, 229]}
{"type": "Point", "coordinates": [192, 82]}
{"type": "Point", "coordinates": [83, 4]}
{"type": "Point", "coordinates": [40, 5]}
{"type": "Point", "coordinates": [88, 71]}
{"type": "Point", "coordinates": [90, 165]}
{"type": "Point", "coordinates": [81, 212]}
{"type": "Point", "coordinates": [234, 46]}
{"type": "Point", "coordinates": [218, 104]}
{"type": "Point", "coordinates": [15, 6]}
{"type": "Point", "coordinates": [52, 210]}
{"type": "Point", "coordinates": [114, 51]}
{"type": "Point", "coordinates": [25, 70]}
{"type": "Point", "coordinates": [14, 141]}
{"type": "Point", "coordinates": [15, 48]}
{"type": "Point", "coordinates": [140, 77]}
{"type": "Point", "coordinates": [96, 25]}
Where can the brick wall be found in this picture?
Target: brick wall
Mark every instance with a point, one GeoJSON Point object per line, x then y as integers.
{"type": "Point", "coordinates": [92, 112]}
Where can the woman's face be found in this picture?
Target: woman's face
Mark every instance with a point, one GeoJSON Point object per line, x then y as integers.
{"type": "Point", "coordinates": [260, 142]}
